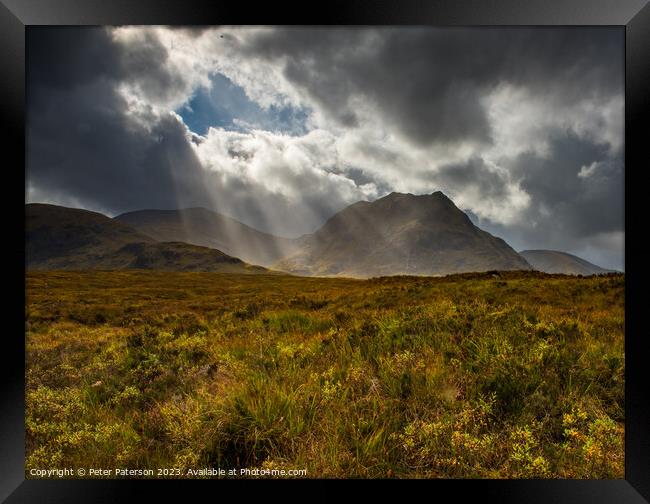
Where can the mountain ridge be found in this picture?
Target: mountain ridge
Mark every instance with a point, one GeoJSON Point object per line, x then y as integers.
{"type": "Point", "coordinates": [204, 227]}
{"type": "Point", "coordinates": [400, 234]}
{"type": "Point", "coordinates": [556, 261]}
{"type": "Point", "coordinates": [69, 238]}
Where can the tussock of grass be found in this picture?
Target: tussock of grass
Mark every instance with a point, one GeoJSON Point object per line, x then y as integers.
{"type": "Point", "coordinates": [510, 375]}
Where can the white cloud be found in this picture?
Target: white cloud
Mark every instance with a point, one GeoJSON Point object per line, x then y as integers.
{"type": "Point", "coordinates": [523, 122]}
{"type": "Point", "coordinates": [587, 171]}
{"type": "Point", "coordinates": [292, 166]}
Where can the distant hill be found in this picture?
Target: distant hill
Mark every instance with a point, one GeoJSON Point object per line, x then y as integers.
{"type": "Point", "coordinates": [69, 238]}
{"type": "Point", "coordinates": [553, 261]}
{"type": "Point", "coordinates": [401, 234]}
{"type": "Point", "coordinates": [200, 226]}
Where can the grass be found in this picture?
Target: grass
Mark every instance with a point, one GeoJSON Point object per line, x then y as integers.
{"type": "Point", "coordinates": [510, 375]}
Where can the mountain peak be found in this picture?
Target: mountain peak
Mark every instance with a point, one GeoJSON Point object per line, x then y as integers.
{"type": "Point", "coordinates": [399, 195]}
{"type": "Point", "coordinates": [440, 194]}
{"type": "Point", "coordinates": [424, 234]}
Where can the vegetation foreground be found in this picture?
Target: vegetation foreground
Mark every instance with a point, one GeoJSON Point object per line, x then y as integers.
{"type": "Point", "coordinates": [510, 375]}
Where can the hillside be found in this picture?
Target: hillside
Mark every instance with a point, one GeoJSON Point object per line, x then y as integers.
{"type": "Point", "coordinates": [520, 375]}
{"type": "Point", "coordinates": [68, 238]}
{"type": "Point", "coordinates": [200, 226]}
{"type": "Point", "coordinates": [401, 234]}
{"type": "Point", "coordinates": [553, 261]}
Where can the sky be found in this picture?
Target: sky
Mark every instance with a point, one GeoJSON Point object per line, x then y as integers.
{"type": "Point", "coordinates": [281, 127]}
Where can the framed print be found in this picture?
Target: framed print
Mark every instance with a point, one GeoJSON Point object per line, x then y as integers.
{"type": "Point", "coordinates": [371, 241]}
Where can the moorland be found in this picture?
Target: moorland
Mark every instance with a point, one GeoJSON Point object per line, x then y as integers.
{"type": "Point", "coordinates": [475, 375]}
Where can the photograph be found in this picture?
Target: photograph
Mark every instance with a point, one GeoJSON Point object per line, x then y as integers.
{"type": "Point", "coordinates": [325, 252]}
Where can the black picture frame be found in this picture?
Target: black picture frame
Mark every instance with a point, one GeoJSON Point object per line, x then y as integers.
{"type": "Point", "coordinates": [17, 15]}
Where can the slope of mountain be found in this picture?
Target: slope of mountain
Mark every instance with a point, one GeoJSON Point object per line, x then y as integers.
{"type": "Point", "coordinates": [401, 234]}
{"type": "Point", "coordinates": [68, 238]}
{"type": "Point", "coordinates": [553, 261]}
{"type": "Point", "coordinates": [200, 226]}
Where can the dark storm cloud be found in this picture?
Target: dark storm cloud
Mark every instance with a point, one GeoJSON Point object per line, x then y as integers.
{"type": "Point", "coordinates": [577, 206]}
{"type": "Point", "coordinates": [60, 58]}
{"type": "Point", "coordinates": [143, 63]}
{"type": "Point", "coordinates": [585, 205]}
{"type": "Point", "coordinates": [429, 82]}
{"type": "Point", "coordinates": [577, 197]}
{"type": "Point", "coordinates": [474, 172]}
{"type": "Point", "coordinates": [69, 57]}
{"type": "Point", "coordinates": [81, 140]}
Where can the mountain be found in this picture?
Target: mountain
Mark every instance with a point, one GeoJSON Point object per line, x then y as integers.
{"type": "Point", "coordinates": [200, 226]}
{"type": "Point", "coordinates": [401, 234]}
{"type": "Point", "coordinates": [553, 261]}
{"type": "Point", "coordinates": [69, 238]}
